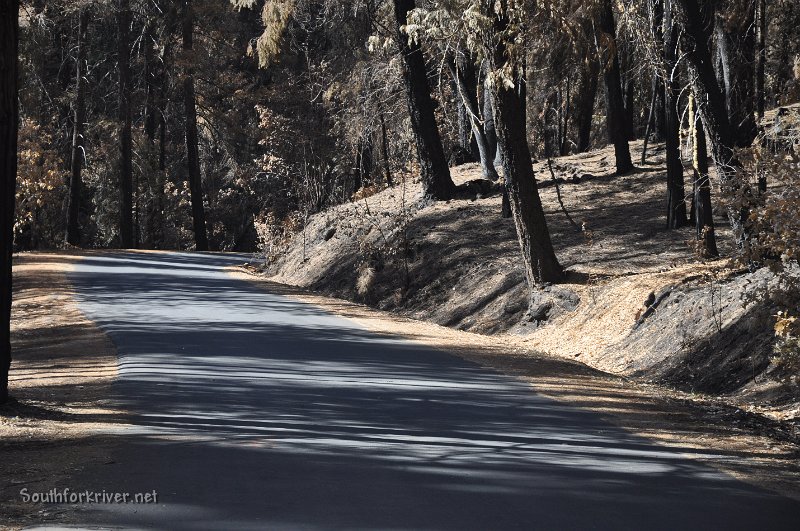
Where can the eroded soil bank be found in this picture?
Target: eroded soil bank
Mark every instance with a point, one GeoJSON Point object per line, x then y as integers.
{"type": "Point", "coordinates": [637, 301]}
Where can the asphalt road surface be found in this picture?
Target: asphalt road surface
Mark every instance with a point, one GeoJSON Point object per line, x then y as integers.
{"type": "Point", "coordinates": [253, 411]}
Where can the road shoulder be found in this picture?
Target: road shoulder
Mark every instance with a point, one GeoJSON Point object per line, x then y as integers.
{"type": "Point", "coordinates": [60, 383]}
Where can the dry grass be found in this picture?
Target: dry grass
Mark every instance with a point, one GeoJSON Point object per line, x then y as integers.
{"type": "Point", "coordinates": [60, 377]}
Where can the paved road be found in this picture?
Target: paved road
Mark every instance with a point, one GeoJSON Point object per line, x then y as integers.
{"type": "Point", "coordinates": [253, 411]}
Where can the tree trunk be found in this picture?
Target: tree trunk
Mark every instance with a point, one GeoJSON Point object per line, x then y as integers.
{"type": "Point", "coordinates": [615, 104]}
{"type": "Point", "coordinates": [676, 191]}
{"type": "Point", "coordinates": [467, 86]}
{"type": "Point", "coordinates": [163, 83]}
{"type": "Point", "coordinates": [192, 148]}
{"type": "Point", "coordinates": [539, 259]}
{"type": "Point", "coordinates": [703, 216]}
{"type": "Point", "coordinates": [656, 87]}
{"type": "Point", "coordinates": [73, 235]}
{"type": "Point", "coordinates": [364, 162]}
{"type": "Point", "coordinates": [736, 51]}
{"type": "Point", "coordinates": [436, 181]}
{"type": "Point", "coordinates": [151, 75]}
{"type": "Point", "coordinates": [584, 107]}
{"type": "Point", "coordinates": [630, 126]}
{"type": "Point", "coordinates": [761, 57]}
{"type": "Point", "coordinates": [387, 170]}
{"type": "Point", "coordinates": [658, 35]}
{"type": "Point", "coordinates": [125, 139]}
{"type": "Point", "coordinates": [713, 110]}
{"type": "Point", "coordinates": [466, 140]}
{"type": "Point", "coordinates": [9, 123]}
{"type": "Point", "coordinates": [488, 116]}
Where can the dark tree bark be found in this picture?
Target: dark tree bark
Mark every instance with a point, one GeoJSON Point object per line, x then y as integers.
{"type": "Point", "coordinates": [676, 190]}
{"type": "Point", "coordinates": [584, 106]}
{"type": "Point", "coordinates": [192, 139]}
{"type": "Point", "coordinates": [488, 123]}
{"type": "Point", "coordinates": [9, 122]}
{"type": "Point", "coordinates": [658, 106]}
{"type": "Point", "coordinates": [630, 131]}
{"type": "Point", "coordinates": [125, 119]}
{"type": "Point", "coordinates": [656, 88]}
{"type": "Point", "coordinates": [151, 75]}
{"type": "Point", "coordinates": [73, 235]}
{"type": "Point", "coordinates": [466, 140]}
{"type": "Point", "coordinates": [736, 53]}
{"type": "Point", "coordinates": [170, 26]}
{"type": "Point", "coordinates": [462, 69]}
{"type": "Point", "coordinates": [387, 170]}
{"type": "Point", "coordinates": [615, 104]}
{"type": "Point", "coordinates": [703, 216]}
{"type": "Point", "coordinates": [761, 57]}
{"type": "Point", "coordinates": [436, 181]}
{"type": "Point", "coordinates": [539, 259]}
{"type": "Point", "coordinates": [364, 161]}
{"type": "Point", "coordinates": [713, 110]}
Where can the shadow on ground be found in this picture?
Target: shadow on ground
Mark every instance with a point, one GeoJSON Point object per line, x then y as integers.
{"type": "Point", "coordinates": [251, 410]}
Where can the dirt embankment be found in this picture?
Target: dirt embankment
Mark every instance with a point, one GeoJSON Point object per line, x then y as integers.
{"type": "Point", "coordinates": [456, 263]}
{"type": "Point", "coordinates": [60, 377]}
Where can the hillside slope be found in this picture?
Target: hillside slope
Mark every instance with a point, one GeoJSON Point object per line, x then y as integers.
{"type": "Point", "coordinates": [457, 264]}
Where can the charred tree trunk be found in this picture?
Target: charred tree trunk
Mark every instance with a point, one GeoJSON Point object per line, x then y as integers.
{"type": "Point", "coordinates": [125, 119]}
{"type": "Point", "coordinates": [713, 110]}
{"type": "Point", "coordinates": [163, 84]}
{"type": "Point", "coordinates": [676, 191]}
{"type": "Point", "coordinates": [736, 55]}
{"type": "Point", "coordinates": [151, 75]}
{"type": "Point", "coordinates": [462, 69]}
{"type": "Point", "coordinates": [584, 107]}
{"type": "Point", "coordinates": [385, 147]}
{"type": "Point", "coordinates": [650, 118]}
{"type": "Point", "coordinates": [630, 130]}
{"type": "Point", "coordinates": [73, 235]}
{"type": "Point", "coordinates": [615, 103]}
{"type": "Point", "coordinates": [364, 162]}
{"type": "Point", "coordinates": [488, 116]}
{"type": "Point", "coordinates": [658, 34]}
{"type": "Point", "coordinates": [539, 259]}
{"type": "Point", "coordinates": [9, 122]}
{"type": "Point", "coordinates": [192, 139]}
{"type": "Point", "coordinates": [466, 139]}
{"type": "Point", "coordinates": [436, 181]}
{"type": "Point", "coordinates": [703, 216]}
{"type": "Point", "coordinates": [761, 56]}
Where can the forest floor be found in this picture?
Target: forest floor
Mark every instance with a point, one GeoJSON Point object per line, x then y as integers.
{"type": "Point", "coordinates": [456, 263]}
{"type": "Point", "coordinates": [62, 370]}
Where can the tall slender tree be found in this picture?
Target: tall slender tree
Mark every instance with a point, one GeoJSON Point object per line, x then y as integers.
{"type": "Point", "coordinates": [711, 106]}
{"type": "Point", "coordinates": [125, 119]}
{"type": "Point", "coordinates": [462, 69]}
{"type": "Point", "coordinates": [539, 258]}
{"type": "Point", "coordinates": [73, 235]}
{"type": "Point", "coordinates": [192, 137]}
{"type": "Point", "coordinates": [761, 55]}
{"type": "Point", "coordinates": [9, 122]}
{"type": "Point", "coordinates": [586, 95]}
{"type": "Point", "coordinates": [703, 216]}
{"type": "Point", "coordinates": [615, 103]}
{"type": "Point", "coordinates": [676, 191]}
{"type": "Point", "coordinates": [436, 181]}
